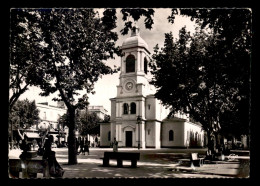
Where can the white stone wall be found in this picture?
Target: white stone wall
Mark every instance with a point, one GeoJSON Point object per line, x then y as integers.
{"type": "Point", "coordinates": [150, 110]}
{"type": "Point", "coordinates": [150, 134]}
{"type": "Point", "coordinates": [157, 135]}
{"type": "Point", "coordinates": [197, 130]}
{"type": "Point", "coordinates": [161, 111]}
{"type": "Point", "coordinates": [104, 130]}
{"type": "Point", "coordinates": [178, 129]}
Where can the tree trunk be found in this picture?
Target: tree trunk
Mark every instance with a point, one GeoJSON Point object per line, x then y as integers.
{"type": "Point", "coordinates": [72, 151]}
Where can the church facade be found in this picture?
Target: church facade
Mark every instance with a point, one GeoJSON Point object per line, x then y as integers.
{"type": "Point", "coordinates": [135, 98]}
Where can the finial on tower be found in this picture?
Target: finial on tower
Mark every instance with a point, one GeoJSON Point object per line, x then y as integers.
{"type": "Point", "coordinates": [135, 30]}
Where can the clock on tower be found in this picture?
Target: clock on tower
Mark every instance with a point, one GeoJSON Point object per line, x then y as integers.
{"type": "Point", "coordinates": [129, 86]}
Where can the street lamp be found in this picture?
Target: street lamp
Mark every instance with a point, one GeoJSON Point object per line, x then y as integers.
{"type": "Point", "coordinates": [139, 120]}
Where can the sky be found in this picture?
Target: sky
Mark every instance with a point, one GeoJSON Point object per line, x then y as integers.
{"type": "Point", "coordinates": [105, 87]}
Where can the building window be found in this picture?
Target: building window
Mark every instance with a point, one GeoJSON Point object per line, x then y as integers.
{"type": "Point", "coordinates": [145, 65]}
{"type": "Point", "coordinates": [125, 111]}
{"type": "Point", "coordinates": [171, 135]}
{"type": "Point", "coordinates": [133, 108]}
{"type": "Point", "coordinates": [148, 131]}
{"type": "Point", "coordinates": [130, 63]}
{"type": "Point", "coordinates": [149, 106]}
{"type": "Point", "coordinates": [109, 136]}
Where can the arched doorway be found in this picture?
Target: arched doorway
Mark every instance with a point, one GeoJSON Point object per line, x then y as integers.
{"type": "Point", "coordinates": [129, 134]}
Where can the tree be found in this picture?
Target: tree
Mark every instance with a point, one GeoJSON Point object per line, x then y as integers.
{"type": "Point", "coordinates": [74, 43]}
{"type": "Point", "coordinates": [24, 114]}
{"type": "Point", "coordinates": [89, 123]}
{"type": "Point", "coordinates": [206, 75]}
{"type": "Point", "coordinates": [25, 69]}
{"type": "Point", "coordinates": [70, 48]}
{"type": "Point", "coordinates": [86, 122]}
{"type": "Point", "coordinates": [136, 14]}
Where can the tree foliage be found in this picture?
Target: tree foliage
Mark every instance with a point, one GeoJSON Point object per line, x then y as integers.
{"type": "Point", "coordinates": [25, 69]}
{"type": "Point", "coordinates": [207, 75]}
{"type": "Point", "coordinates": [136, 14]}
{"type": "Point", "coordinates": [63, 50]}
{"type": "Point", "coordinates": [72, 47]}
{"type": "Point", "coordinates": [89, 123]}
{"type": "Point", "coordinates": [86, 122]}
{"type": "Point", "coordinates": [24, 114]}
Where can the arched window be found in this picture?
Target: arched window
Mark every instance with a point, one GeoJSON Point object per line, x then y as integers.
{"type": "Point", "coordinates": [125, 111]}
{"type": "Point", "coordinates": [133, 108]}
{"type": "Point", "coordinates": [145, 65]}
{"type": "Point", "coordinates": [171, 135]}
{"type": "Point", "coordinates": [109, 136]}
{"type": "Point", "coordinates": [130, 63]}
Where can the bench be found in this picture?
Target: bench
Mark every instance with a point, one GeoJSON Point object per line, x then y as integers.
{"type": "Point", "coordinates": [120, 156]}
{"type": "Point", "coordinates": [28, 167]}
{"type": "Point", "coordinates": [196, 160]}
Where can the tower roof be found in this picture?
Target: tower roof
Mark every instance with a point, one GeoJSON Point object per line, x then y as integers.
{"type": "Point", "coordinates": [134, 40]}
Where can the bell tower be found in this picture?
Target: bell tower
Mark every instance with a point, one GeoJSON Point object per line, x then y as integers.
{"type": "Point", "coordinates": [134, 66]}
{"type": "Point", "coordinates": [132, 91]}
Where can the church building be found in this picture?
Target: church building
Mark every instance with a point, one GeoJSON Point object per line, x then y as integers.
{"type": "Point", "coordinates": [138, 119]}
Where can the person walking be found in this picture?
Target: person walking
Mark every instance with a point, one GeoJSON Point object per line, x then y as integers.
{"type": "Point", "coordinates": [81, 146]}
{"type": "Point", "coordinates": [86, 147]}
{"type": "Point", "coordinates": [96, 141]}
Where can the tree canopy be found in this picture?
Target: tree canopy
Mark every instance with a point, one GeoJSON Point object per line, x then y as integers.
{"type": "Point", "coordinates": [25, 69]}
{"type": "Point", "coordinates": [207, 75]}
{"type": "Point", "coordinates": [24, 114]}
{"type": "Point", "coordinates": [63, 50]}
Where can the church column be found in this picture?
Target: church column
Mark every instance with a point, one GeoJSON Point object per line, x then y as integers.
{"type": "Point", "coordinates": [123, 63]}
{"type": "Point", "coordinates": [137, 64]}
{"type": "Point", "coordinates": [142, 130]}
{"type": "Point", "coordinates": [118, 109]}
{"type": "Point", "coordinates": [118, 132]}
{"type": "Point", "coordinates": [140, 134]}
{"type": "Point", "coordinates": [142, 107]}
{"type": "Point", "coordinates": [157, 134]}
{"type": "Point", "coordinates": [141, 61]}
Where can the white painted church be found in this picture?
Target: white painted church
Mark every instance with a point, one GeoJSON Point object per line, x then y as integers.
{"type": "Point", "coordinates": [135, 97]}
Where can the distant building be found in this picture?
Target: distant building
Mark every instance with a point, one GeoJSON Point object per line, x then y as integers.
{"type": "Point", "coordinates": [135, 97]}
{"type": "Point", "coordinates": [49, 117]}
{"type": "Point", "coordinates": [99, 110]}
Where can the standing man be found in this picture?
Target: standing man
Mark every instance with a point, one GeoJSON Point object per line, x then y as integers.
{"type": "Point", "coordinates": [115, 145]}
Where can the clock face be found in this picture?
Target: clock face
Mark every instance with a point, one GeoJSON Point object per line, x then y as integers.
{"type": "Point", "coordinates": [129, 86]}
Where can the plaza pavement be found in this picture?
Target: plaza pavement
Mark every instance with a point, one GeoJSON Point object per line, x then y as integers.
{"type": "Point", "coordinates": [154, 163]}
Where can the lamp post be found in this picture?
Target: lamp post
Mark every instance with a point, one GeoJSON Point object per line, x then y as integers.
{"type": "Point", "coordinates": [139, 120]}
